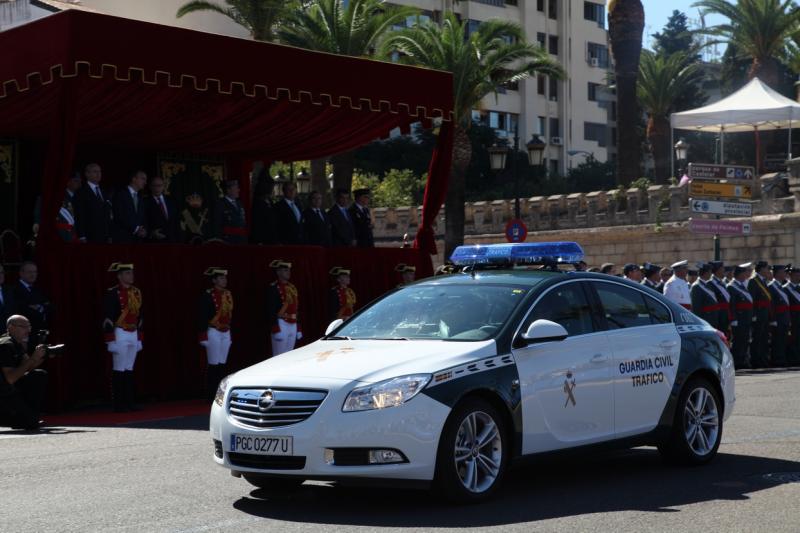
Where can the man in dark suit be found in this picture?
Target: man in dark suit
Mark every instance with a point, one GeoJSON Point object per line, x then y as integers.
{"type": "Point", "coordinates": [362, 220]}
{"type": "Point", "coordinates": [762, 302]}
{"type": "Point", "coordinates": [161, 214]}
{"type": "Point", "coordinates": [780, 315]}
{"type": "Point", "coordinates": [342, 230]}
{"type": "Point", "coordinates": [704, 299]}
{"type": "Point", "coordinates": [288, 217]}
{"type": "Point", "coordinates": [230, 223]}
{"type": "Point", "coordinates": [93, 210]}
{"type": "Point", "coordinates": [128, 208]}
{"type": "Point", "coordinates": [29, 300]}
{"type": "Point", "coordinates": [262, 225]}
{"type": "Point", "coordinates": [742, 323]}
{"type": "Point", "coordinates": [316, 226]}
{"type": "Point", "coordinates": [6, 301]}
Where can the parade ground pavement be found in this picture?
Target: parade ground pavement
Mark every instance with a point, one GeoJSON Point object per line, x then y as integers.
{"type": "Point", "coordinates": [154, 472]}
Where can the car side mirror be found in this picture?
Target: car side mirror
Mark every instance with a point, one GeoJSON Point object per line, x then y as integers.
{"type": "Point", "coordinates": [333, 325]}
{"type": "Point", "coordinates": [544, 331]}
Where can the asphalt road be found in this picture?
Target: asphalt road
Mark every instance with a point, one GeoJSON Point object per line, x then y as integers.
{"type": "Point", "coordinates": [160, 477]}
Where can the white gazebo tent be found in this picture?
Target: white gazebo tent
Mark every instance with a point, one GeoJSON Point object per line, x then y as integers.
{"type": "Point", "coordinates": [754, 107]}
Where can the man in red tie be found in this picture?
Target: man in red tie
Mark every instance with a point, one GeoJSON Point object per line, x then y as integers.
{"type": "Point", "coordinates": [161, 214]}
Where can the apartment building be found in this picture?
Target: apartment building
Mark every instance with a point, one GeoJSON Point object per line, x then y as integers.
{"type": "Point", "coordinates": [574, 116]}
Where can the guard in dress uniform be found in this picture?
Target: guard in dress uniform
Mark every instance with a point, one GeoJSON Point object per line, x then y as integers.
{"type": "Point", "coordinates": [122, 306]}
{"type": "Point", "coordinates": [676, 288]}
{"type": "Point", "coordinates": [704, 300]}
{"type": "Point", "coordinates": [691, 276]}
{"type": "Point", "coordinates": [342, 297]}
{"type": "Point", "coordinates": [407, 273]}
{"type": "Point", "coordinates": [216, 312]}
{"type": "Point", "coordinates": [742, 308]}
{"type": "Point", "coordinates": [762, 301]}
{"type": "Point", "coordinates": [652, 278]}
{"type": "Point", "coordinates": [728, 275]}
{"type": "Point", "coordinates": [282, 308]}
{"type": "Point", "coordinates": [780, 315]}
{"type": "Point", "coordinates": [229, 219]}
{"type": "Point", "coordinates": [723, 298]}
{"type": "Point", "coordinates": [792, 289]}
{"type": "Point", "coordinates": [665, 274]}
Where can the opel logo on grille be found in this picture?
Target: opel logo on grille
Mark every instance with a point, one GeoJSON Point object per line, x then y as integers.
{"type": "Point", "coordinates": [266, 400]}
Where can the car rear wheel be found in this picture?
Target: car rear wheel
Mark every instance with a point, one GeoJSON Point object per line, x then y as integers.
{"type": "Point", "coordinates": [273, 484]}
{"type": "Point", "coordinates": [697, 428]}
{"type": "Point", "coordinates": [472, 456]}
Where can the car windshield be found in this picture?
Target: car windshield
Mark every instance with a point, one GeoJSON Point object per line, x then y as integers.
{"type": "Point", "coordinates": [444, 312]}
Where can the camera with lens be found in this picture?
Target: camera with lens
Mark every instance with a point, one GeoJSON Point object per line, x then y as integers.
{"type": "Point", "coordinates": [50, 350]}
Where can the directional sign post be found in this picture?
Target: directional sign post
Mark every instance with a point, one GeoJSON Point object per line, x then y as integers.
{"type": "Point", "coordinates": [720, 172]}
{"type": "Point", "coordinates": [710, 189]}
{"type": "Point", "coordinates": [711, 207]}
{"type": "Point", "coordinates": [719, 227]}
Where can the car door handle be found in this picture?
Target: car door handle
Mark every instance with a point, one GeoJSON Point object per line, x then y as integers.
{"type": "Point", "coordinates": [667, 344]}
{"type": "Point", "coordinates": [599, 358]}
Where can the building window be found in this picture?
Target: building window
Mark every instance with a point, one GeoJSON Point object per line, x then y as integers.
{"type": "Point", "coordinates": [472, 26]}
{"type": "Point", "coordinates": [555, 128]}
{"type": "Point", "coordinates": [540, 5]}
{"type": "Point", "coordinates": [540, 38]}
{"type": "Point", "coordinates": [595, 13]}
{"type": "Point", "coordinates": [541, 80]}
{"type": "Point", "coordinates": [593, 88]}
{"type": "Point", "coordinates": [597, 55]}
{"type": "Point", "coordinates": [504, 124]}
{"type": "Point", "coordinates": [552, 42]}
{"type": "Point", "coordinates": [554, 170]}
{"type": "Point", "coordinates": [595, 132]}
{"type": "Point", "coordinates": [541, 126]}
{"type": "Point", "coordinates": [612, 111]}
{"type": "Point", "coordinates": [553, 89]}
{"type": "Point", "coordinates": [552, 9]}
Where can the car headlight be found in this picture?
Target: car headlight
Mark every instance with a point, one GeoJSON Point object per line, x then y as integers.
{"type": "Point", "coordinates": [219, 397]}
{"type": "Point", "coordinates": [389, 393]}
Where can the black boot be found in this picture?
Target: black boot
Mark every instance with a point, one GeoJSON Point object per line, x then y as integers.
{"type": "Point", "coordinates": [131, 392]}
{"type": "Point", "coordinates": [118, 391]}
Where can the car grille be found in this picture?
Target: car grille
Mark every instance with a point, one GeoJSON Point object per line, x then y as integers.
{"type": "Point", "coordinates": [269, 408]}
{"type": "Point", "coordinates": [267, 462]}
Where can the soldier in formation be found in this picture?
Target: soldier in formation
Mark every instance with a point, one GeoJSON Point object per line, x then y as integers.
{"type": "Point", "coordinates": [216, 313]}
{"type": "Point", "coordinates": [283, 303]}
{"type": "Point", "coordinates": [342, 298]}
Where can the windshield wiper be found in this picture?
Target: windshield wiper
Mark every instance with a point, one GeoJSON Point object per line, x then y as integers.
{"type": "Point", "coordinates": [388, 338]}
{"type": "Point", "coordinates": [335, 338]}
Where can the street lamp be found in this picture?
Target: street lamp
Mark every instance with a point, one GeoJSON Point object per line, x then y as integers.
{"type": "Point", "coordinates": [498, 154]}
{"type": "Point", "coordinates": [303, 181]}
{"type": "Point", "coordinates": [681, 154]}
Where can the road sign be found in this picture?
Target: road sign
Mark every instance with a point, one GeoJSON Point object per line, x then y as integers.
{"type": "Point", "coordinates": [516, 230]}
{"type": "Point", "coordinates": [710, 207]}
{"type": "Point", "coordinates": [720, 190]}
{"type": "Point", "coordinates": [720, 172]}
{"type": "Point", "coordinates": [719, 227]}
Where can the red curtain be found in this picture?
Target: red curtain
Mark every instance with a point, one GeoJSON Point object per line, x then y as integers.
{"type": "Point", "coordinates": [436, 189]}
{"type": "Point", "coordinates": [171, 279]}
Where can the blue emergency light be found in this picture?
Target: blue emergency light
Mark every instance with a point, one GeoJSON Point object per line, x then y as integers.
{"type": "Point", "coordinates": [518, 253]}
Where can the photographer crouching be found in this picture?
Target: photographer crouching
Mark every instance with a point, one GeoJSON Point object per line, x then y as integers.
{"type": "Point", "coordinates": [22, 383]}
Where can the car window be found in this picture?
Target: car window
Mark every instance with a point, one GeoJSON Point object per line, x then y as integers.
{"type": "Point", "coordinates": [470, 312]}
{"type": "Point", "coordinates": [623, 307]}
{"type": "Point", "coordinates": [566, 305]}
{"type": "Point", "coordinates": [659, 314]}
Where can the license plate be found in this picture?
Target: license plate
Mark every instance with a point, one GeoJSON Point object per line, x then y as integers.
{"type": "Point", "coordinates": [260, 445]}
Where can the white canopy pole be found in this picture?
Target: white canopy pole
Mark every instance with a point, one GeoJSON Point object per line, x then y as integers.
{"type": "Point", "coordinates": [789, 151]}
{"type": "Point", "coordinates": [671, 151]}
{"type": "Point", "coordinates": [722, 145]}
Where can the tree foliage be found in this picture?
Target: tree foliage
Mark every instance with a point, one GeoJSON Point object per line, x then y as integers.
{"type": "Point", "coordinates": [260, 17]}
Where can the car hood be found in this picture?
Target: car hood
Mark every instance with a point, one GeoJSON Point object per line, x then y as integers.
{"type": "Point", "coordinates": [367, 360]}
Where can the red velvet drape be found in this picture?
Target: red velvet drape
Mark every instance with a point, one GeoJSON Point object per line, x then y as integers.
{"type": "Point", "coordinates": [171, 279]}
{"type": "Point", "coordinates": [435, 189]}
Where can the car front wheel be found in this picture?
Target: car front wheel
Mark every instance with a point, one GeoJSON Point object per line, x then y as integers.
{"type": "Point", "coordinates": [472, 455]}
{"type": "Point", "coordinates": [697, 429]}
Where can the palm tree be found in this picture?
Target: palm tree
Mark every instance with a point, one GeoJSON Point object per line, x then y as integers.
{"type": "Point", "coordinates": [759, 29]}
{"type": "Point", "coordinates": [351, 28]}
{"type": "Point", "coordinates": [481, 63]}
{"type": "Point", "coordinates": [625, 27]}
{"type": "Point", "coordinates": [260, 17]}
{"type": "Point", "coordinates": [662, 80]}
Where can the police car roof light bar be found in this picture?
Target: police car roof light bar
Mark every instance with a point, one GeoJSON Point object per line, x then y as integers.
{"type": "Point", "coordinates": [528, 253]}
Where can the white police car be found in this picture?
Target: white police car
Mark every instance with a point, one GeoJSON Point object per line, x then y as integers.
{"type": "Point", "coordinates": [452, 379]}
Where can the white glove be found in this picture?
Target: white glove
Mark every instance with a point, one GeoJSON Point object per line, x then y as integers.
{"type": "Point", "coordinates": [734, 323]}
{"type": "Point", "coordinates": [138, 346]}
{"type": "Point", "coordinates": [299, 335]}
{"type": "Point", "coordinates": [773, 323]}
{"type": "Point", "coordinates": [204, 343]}
{"type": "Point", "coordinates": [112, 346]}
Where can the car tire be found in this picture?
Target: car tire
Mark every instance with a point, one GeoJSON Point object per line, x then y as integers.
{"type": "Point", "coordinates": [697, 428]}
{"type": "Point", "coordinates": [273, 484]}
{"type": "Point", "coordinates": [466, 471]}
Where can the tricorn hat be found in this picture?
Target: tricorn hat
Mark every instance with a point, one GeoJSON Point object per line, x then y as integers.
{"type": "Point", "coordinates": [402, 267]}
{"type": "Point", "coordinates": [215, 271]}
{"type": "Point", "coordinates": [280, 263]}
{"type": "Point", "coordinates": [338, 271]}
{"type": "Point", "coordinates": [120, 267]}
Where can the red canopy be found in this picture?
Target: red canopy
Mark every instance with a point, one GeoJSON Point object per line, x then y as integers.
{"type": "Point", "coordinates": [81, 77]}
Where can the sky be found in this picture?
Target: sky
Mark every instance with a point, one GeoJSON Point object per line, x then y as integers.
{"type": "Point", "coordinates": [657, 12]}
